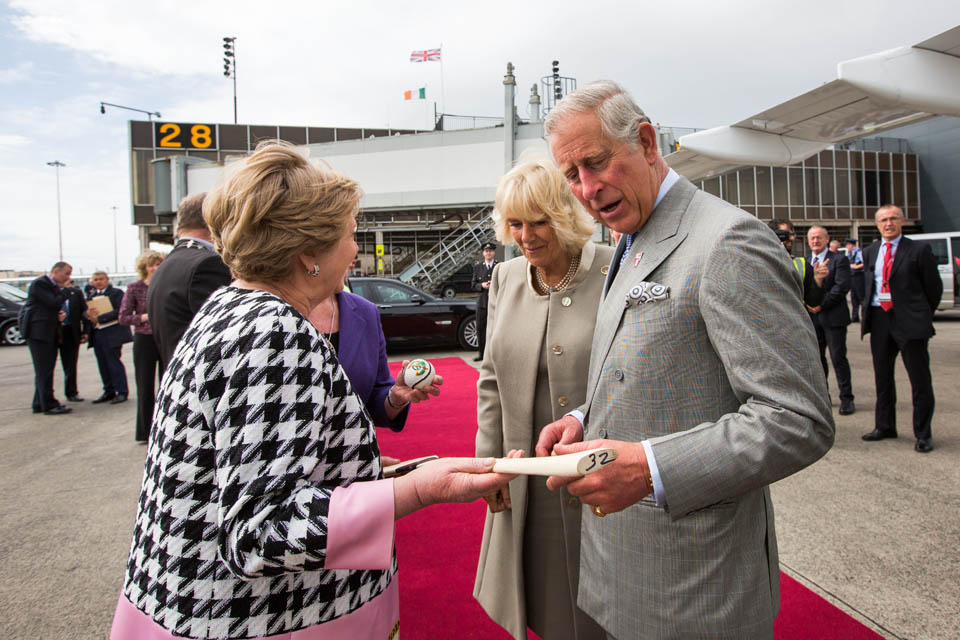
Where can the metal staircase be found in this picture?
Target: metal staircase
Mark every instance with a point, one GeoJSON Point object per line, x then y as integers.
{"type": "Point", "coordinates": [444, 258]}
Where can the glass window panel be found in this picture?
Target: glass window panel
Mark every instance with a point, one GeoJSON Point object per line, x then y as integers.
{"type": "Point", "coordinates": [897, 180]}
{"type": "Point", "coordinates": [843, 213]}
{"type": "Point", "coordinates": [884, 160]}
{"type": "Point", "coordinates": [780, 186]}
{"type": "Point", "coordinates": [746, 186]}
{"type": "Point", "coordinates": [749, 209]}
{"type": "Point", "coordinates": [763, 186]}
{"type": "Point", "coordinates": [843, 187]}
{"type": "Point", "coordinates": [940, 250]}
{"type": "Point", "coordinates": [320, 134]}
{"type": "Point", "coordinates": [869, 160]}
{"type": "Point", "coordinates": [294, 135]}
{"type": "Point", "coordinates": [912, 199]}
{"type": "Point", "coordinates": [781, 212]}
{"type": "Point", "coordinates": [828, 213]}
{"type": "Point", "coordinates": [841, 157]}
{"type": "Point", "coordinates": [142, 177]}
{"type": "Point", "coordinates": [730, 188]}
{"type": "Point", "coordinates": [712, 186]}
{"type": "Point", "coordinates": [826, 187]}
{"type": "Point", "coordinates": [897, 161]}
{"type": "Point", "coordinates": [796, 186]}
{"type": "Point", "coordinates": [349, 134]}
{"type": "Point", "coordinates": [262, 132]}
{"type": "Point", "coordinates": [871, 183]}
{"type": "Point", "coordinates": [811, 188]}
{"type": "Point", "coordinates": [856, 159]}
{"type": "Point", "coordinates": [886, 187]}
{"type": "Point", "coordinates": [811, 161]}
{"type": "Point", "coordinates": [826, 158]}
{"type": "Point", "coordinates": [911, 162]}
{"type": "Point", "coordinates": [765, 213]}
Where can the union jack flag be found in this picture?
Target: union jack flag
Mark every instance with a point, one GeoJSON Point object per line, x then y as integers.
{"type": "Point", "coordinates": [429, 55]}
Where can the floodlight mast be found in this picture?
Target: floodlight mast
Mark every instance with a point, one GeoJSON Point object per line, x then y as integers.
{"type": "Point", "coordinates": [230, 67]}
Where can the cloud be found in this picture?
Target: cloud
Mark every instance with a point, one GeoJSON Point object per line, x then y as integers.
{"type": "Point", "coordinates": [18, 73]}
{"type": "Point", "coordinates": [13, 140]}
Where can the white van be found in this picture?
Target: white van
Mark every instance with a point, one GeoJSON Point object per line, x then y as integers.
{"type": "Point", "coordinates": [946, 249]}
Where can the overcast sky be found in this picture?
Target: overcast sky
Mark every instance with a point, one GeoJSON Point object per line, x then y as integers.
{"type": "Point", "coordinates": [346, 63]}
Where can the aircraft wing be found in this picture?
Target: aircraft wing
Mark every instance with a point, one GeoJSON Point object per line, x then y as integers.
{"type": "Point", "coordinates": [870, 95]}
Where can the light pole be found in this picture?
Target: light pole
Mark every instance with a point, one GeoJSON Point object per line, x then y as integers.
{"type": "Point", "coordinates": [150, 114]}
{"type": "Point", "coordinates": [230, 67]}
{"type": "Point", "coordinates": [57, 164]}
{"type": "Point", "coordinates": [115, 269]}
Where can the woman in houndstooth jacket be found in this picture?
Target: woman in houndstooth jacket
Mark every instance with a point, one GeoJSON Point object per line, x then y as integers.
{"type": "Point", "coordinates": [263, 508]}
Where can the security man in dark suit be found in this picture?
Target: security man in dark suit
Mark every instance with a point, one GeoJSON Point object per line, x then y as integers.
{"type": "Point", "coordinates": [482, 271]}
{"type": "Point", "coordinates": [855, 256]}
{"type": "Point", "coordinates": [902, 289]}
{"type": "Point", "coordinates": [107, 337]}
{"type": "Point", "coordinates": [185, 279]}
{"type": "Point", "coordinates": [72, 335]}
{"type": "Point", "coordinates": [39, 320]}
{"type": "Point", "coordinates": [832, 317]}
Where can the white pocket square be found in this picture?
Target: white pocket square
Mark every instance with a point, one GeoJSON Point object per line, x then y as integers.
{"type": "Point", "coordinates": [644, 292]}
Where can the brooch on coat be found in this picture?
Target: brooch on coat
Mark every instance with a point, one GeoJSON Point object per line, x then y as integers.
{"type": "Point", "coordinates": [644, 292]}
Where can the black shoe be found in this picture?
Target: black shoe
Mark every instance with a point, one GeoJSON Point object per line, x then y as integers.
{"type": "Point", "coordinates": [74, 398]}
{"type": "Point", "coordinates": [478, 359]}
{"type": "Point", "coordinates": [58, 410]}
{"type": "Point", "coordinates": [847, 407]}
{"type": "Point", "coordinates": [923, 445]}
{"type": "Point", "coordinates": [876, 434]}
{"type": "Point", "coordinates": [106, 397]}
{"type": "Point", "coordinates": [120, 397]}
{"type": "Point", "coordinates": [36, 410]}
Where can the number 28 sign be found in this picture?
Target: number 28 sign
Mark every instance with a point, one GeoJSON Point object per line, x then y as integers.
{"type": "Point", "coordinates": [178, 135]}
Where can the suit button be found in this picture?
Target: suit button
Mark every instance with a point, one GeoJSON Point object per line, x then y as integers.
{"type": "Point", "coordinates": [566, 301]}
{"type": "Point", "coordinates": [557, 350]}
{"type": "Point", "coordinates": [618, 374]}
{"type": "Point", "coordinates": [602, 433]}
{"type": "Point", "coordinates": [563, 401]}
{"type": "Point", "coordinates": [573, 502]}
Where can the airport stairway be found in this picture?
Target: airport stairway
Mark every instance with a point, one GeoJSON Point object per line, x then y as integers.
{"type": "Point", "coordinates": [454, 249]}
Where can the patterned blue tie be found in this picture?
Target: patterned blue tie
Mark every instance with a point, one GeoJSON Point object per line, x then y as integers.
{"type": "Point", "coordinates": [627, 243]}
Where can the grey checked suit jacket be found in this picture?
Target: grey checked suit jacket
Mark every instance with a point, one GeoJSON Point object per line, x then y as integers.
{"type": "Point", "coordinates": [724, 378]}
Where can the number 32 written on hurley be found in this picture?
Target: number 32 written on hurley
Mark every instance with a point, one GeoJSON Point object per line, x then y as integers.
{"type": "Point", "coordinates": [603, 458]}
{"type": "Point", "coordinates": [177, 135]}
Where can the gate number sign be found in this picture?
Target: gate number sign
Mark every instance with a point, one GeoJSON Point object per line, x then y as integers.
{"type": "Point", "coordinates": [177, 135]}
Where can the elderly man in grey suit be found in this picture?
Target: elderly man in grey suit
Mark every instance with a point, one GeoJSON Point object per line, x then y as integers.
{"type": "Point", "coordinates": [704, 375]}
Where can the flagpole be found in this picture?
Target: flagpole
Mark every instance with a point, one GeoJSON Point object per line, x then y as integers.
{"type": "Point", "coordinates": [443, 99]}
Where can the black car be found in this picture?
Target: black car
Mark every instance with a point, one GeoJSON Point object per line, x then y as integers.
{"type": "Point", "coordinates": [411, 317]}
{"type": "Point", "coordinates": [11, 299]}
{"type": "Point", "coordinates": [460, 281]}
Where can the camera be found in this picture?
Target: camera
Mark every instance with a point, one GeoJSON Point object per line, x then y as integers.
{"type": "Point", "coordinates": [783, 235]}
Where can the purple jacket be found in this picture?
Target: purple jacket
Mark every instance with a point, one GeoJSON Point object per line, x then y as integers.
{"type": "Point", "coordinates": [363, 355]}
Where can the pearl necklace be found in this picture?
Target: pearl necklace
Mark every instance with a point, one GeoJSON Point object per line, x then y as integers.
{"type": "Point", "coordinates": [564, 282]}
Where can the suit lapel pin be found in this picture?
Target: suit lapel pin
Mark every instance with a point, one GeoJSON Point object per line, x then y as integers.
{"type": "Point", "coordinates": [637, 258]}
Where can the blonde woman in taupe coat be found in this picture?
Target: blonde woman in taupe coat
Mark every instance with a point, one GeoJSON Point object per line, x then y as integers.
{"type": "Point", "coordinates": [542, 310]}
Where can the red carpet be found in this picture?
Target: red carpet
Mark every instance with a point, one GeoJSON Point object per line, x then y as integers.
{"type": "Point", "coordinates": [437, 548]}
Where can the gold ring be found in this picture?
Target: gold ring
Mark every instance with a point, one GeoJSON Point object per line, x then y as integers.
{"type": "Point", "coordinates": [597, 511]}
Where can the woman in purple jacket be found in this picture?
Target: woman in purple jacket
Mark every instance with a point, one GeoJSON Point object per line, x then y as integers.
{"type": "Point", "coordinates": [352, 325]}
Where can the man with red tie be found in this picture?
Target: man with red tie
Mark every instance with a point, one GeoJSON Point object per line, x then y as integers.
{"type": "Point", "coordinates": [902, 289]}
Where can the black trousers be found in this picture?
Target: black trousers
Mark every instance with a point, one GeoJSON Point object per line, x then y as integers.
{"type": "Point", "coordinates": [44, 356]}
{"type": "Point", "coordinates": [481, 328]}
{"type": "Point", "coordinates": [69, 354]}
{"type": "Point", "coordinates": [885, 344]}
{"type": "Point", "coordinates": [146, 364]}
{"type": "Point", "coordinates": [856, 296]}
{"type": "Point", "coordinates": [112, 372]}
{"type": "Point", "coordinates": [835, 339]}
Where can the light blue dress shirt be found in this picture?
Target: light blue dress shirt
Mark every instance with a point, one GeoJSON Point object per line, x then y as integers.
{"type": "Point", "coordinates": [878, 269]}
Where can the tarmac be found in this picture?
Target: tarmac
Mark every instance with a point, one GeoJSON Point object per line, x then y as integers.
{"type": "Point", "coordinates": [872, 527]}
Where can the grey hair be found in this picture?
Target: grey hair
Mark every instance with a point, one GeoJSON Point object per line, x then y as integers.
{"type": "Point", "coordinates": [619, 115]}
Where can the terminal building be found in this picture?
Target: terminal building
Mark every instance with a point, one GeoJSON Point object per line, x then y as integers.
{"type": "Point", "coordinates": [429, 194]}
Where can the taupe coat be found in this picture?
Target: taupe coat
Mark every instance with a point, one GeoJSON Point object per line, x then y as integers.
{"type": "Point", "coordinates": [723, 377]}
{"type": "Point", "coordinates": [517, 327]}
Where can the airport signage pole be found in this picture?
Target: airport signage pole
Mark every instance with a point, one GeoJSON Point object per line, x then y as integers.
{"type": "Point", "coordinates": [115, 269]}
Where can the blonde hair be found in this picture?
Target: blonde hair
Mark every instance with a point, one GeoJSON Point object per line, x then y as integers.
{"type": "Point", "coordinates": [533, 190]}
{"type": "Point", "coordinates": [146, 259]}
{"type": "Point", "coordinates": [277, 205]}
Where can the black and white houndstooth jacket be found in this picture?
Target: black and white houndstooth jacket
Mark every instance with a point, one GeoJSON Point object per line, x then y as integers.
{"type": "Point", "coordinates": [255, 425]}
